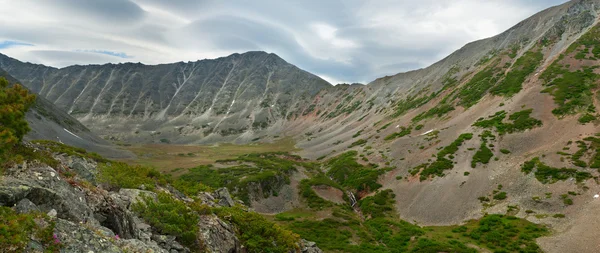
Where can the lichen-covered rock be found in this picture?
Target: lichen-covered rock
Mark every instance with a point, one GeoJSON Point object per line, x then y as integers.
{"type": "Point", "coordinates": [81, 238]}
{"type": "Point", "coordinates": [309, 247]}
{"type": "Point", "coordinates": [222, 194]}
{"type": "Point", "coordinates": [43, 186]}
{"type": "Point", "coordinates": [217, 235]}
{"type": "Point", "coordinates": [26, 206]}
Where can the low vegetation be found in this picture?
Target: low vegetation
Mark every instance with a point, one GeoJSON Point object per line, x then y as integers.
{"type": "Point", "coordinates": [443, 160]}
{"type": "Point", "coordinates": [548, 175]}
{"type": "Point", "coordinates": [521, 121]}
{"type": "Point", "coordinates": [521, 69]}
{"type": "Point", "coordinates": [403, 132]}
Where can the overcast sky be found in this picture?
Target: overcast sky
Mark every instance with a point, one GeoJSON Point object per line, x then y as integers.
{"type": "Point", "coordinates": [339, 40]}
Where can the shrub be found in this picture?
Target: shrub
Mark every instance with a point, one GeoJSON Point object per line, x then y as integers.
{"type": "Point", "coordinates": [121, 175]}
{"type": "Point", "coordinates": [403, 132]}
{"type": "Point", "coordinates": [505, 151]}
{"type": "Point", "coordinates": [17, 229]}
{"type": "Point", "coordinates": [14, 103]}
{"type": "Point", "coordinates": [258, 234]}
{"type": "Point", "coordinates": [586, 118]}
{"type": "Point", "coordinates": [500, 196]}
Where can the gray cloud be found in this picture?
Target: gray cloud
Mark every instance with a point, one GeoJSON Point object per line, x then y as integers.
{"type": "Point", "coordinates": [340, 40]}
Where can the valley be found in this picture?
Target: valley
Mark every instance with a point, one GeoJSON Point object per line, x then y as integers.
{"type": "Point", "coordinates": [494, 148]}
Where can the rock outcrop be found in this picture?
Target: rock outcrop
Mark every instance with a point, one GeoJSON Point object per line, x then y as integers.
{"type": "Point", "coordinates": [88, 218]}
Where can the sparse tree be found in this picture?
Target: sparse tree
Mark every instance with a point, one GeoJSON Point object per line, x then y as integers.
{"type": "Point", "coordinates": [14, 103]}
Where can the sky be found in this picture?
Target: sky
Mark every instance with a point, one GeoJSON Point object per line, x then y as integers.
{"type": "Point", "coordinates": [342, 41]}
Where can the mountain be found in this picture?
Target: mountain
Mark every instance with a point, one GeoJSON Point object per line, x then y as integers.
{"type": "Point", "coordinates": [504, 125]}
{"type": "Point", "coordinates": [48, 122]}
{"type": "Point", "coordinates": [185, 101]}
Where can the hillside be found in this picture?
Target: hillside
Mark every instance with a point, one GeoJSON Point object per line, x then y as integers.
{"type": "Point", "coordinates": [203, 101]}
{"type": "Point", "coordinates": [51, 123]}
{"type": "Point", "coordinates": [502, 134]}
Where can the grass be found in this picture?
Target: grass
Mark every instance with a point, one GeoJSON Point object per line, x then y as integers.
{"type": "Point", "coordinates": [311, 198]}
{"type": "Point", "coordinates": [165, 158]}
{"type": "Point", "coordinates": [267, 171]}
{"type": "Point", "coordinates": [359, 142]}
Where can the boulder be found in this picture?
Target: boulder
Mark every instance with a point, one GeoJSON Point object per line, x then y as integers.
{"type": "Point", "coordinates": [26, 206]}
{"type": "Point", "coordinates": [222, 194]}
{"type": "Point", "coordinates": [217, 235]}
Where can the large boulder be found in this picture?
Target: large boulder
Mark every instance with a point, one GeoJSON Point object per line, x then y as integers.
{"type": "Point", "coordinates": [44, 187]}
{"type": "Point", "coordinates": [217, 235]}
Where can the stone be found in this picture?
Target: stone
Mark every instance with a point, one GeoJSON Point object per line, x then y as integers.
{"type": "Point", "coordinates": [224, 197]}
{"type": "Point", "coordinates": [26, 206]}
{"type": "Point", "coordinates": [217, 235]}
{"type": "Point", "coordinates": [52, 213]}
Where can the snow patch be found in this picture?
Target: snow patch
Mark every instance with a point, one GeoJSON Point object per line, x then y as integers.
{"type": "Point", "coordinates": [426, 132]}
{"type": "Point", "coordinates": [71, 133]}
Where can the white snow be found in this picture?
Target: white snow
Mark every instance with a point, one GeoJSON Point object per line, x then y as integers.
{"type": "Point", "coordinates": [426, 132]}
{"type": "Point", "coordinates": [71, 133]}
{"type": "Point", "coordinates": [596, 196]}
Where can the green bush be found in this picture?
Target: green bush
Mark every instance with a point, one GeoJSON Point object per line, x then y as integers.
{"type": "Point", "coordinates": [379, 205]}
{"type": "Point", "coordinates": [548, 175]}
{"type": "Point", "coordinates": [505, 151]}
{"type": "Point", "coordinates": [586, 118]}
{"type": "Point", "coordinates": [258, 234]}
{"type": "Point", "coordinates": [403, 132]}
{"type": "Point", "coordinates": [118, 175]}
{"type": "Point", "coordinates": [523, 67]}
{"type": "Point", "coordinates": [345, 170]}
{"type": "Point", "coordinates": [500, 196]}
{"type": "Point", "coordinates": [170, 216]}
{"type": "Point", "coordinates": [14, 103]}
{"type": "Point", "coordinates": [521, 121]}
{"type": "Point", "coordinates": [17, 229]}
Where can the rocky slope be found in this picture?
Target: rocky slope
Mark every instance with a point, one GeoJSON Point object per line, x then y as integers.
{"type": "Point", "coordinates": [78, 211]}
{"type": "Point", "coordinates": [51, 123]}
{"type": "Point", "coordinates": [186, 102]}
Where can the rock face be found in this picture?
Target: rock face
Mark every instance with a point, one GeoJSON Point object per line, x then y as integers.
{"type": "Point", "coordinates": [220, 97]}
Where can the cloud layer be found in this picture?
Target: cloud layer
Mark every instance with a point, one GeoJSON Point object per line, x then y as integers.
{"type": "Point", "coordinates": [339, 40]}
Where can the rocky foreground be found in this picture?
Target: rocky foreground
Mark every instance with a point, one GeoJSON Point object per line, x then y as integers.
{"type": "Point", "coordinates": [81, 215]}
